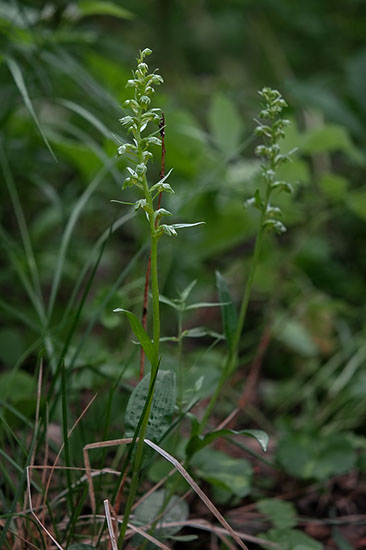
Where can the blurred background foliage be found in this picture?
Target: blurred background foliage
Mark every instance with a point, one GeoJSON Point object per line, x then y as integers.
{"type": "Point", "coordinates": [70, 256]}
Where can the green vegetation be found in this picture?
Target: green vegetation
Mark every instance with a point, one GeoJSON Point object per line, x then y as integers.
{"type": "Point", "coordinates": [223, 367]}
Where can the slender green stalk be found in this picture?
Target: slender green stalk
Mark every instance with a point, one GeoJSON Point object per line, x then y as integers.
{"type": "Point", "coordinates": [270, 153]}
{"type": "Point", "coordinates": [139, 152]}
{"type": "Point", "coordinates": [180, 361]}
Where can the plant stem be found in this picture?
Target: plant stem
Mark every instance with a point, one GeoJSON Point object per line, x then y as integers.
{"type": "Point", "coordinates": [232, 358]}
{"type": "Point", "coordinates": [156, 337]}
{"type": "Point", "coordinates": [180, 361]}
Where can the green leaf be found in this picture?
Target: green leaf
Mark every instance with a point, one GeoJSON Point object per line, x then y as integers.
{"type": "Point", "coordinates": [334, 186]}
{"type": "Point", "coordinates": [294, 334]}
{"type": "Point", "coordinates": [142, 336]}
{"type": "Point", "coordinates": [309, 456]}
{"type": "Point", "coordinates": [17, 386]}
{"type": "Point", "coordinates": [162, 407]}
{"type": "Point", "coordinates": [291, 539]}
{"type": "Point", "coordinates": [225, 124]}
{"type": "Point", "coordinates": [168, 302]}
{"type": "Point", "coordinates": [170, 230]}
{"type": "Point", "coordinates": [329, 138]}
{"type": "Point", "coordinates": [87, 115]}
{"type": "Point", "coordinates": [150, 508]}
{"type": "Point", "coordinates": [197, 442]}
{"type": "Point", "coordinates": [184, 225]}
{"type": "Point", "coordinates": [186, 292]}
{"type": "Point", "coordinates": [200, 305]}
{"type": "Point", "coordinates": [19, 81]}
{"type": "Point", "coordinates": [228, 311]}
{"type": "Point", "coordinates": [95, 7]}
{"type": "Point", "coordinates": [231, 474]}
{"type": "Point", "coordinates": [356, 201]}
{"type": "Point", "coordinates": [281, 513]}
{"type": "Point", "coordinates": [199, 332]}
{"type": "Point", "coordinates": [159, 184]}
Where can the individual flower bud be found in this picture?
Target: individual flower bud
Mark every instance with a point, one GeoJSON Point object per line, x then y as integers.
{"type": "Point", "coordinates": [153, 140]}
{"type": "Point", "coordinates": [157, 79]}
{"type": "Point", "coordinates": [142, 68]}
{"type": "Point", "coordinates": [146, 155]}
{"type": "Point", "coordinates": [145, 100]}
{"type": "Point", "coordinates": [126, 120]}
{"type": "Point", "coordinates": [145, 52]}
{"type": "Point", "coordinates": [140, 169]}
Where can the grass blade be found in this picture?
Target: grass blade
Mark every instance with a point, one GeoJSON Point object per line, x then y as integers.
{"type": "Point", "coordinates": [68, 233]}
{"type": "Point", "coordinates": [19, 81]}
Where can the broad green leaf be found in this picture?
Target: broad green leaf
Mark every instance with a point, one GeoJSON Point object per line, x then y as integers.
{"type": "Point", "coordinates": [150, 508]}
{"type": "Point", "coordinates": [296, 336]}
{"type": "Point", "coordinates": [99, 7]}
{"type": "Point", "coordinates": [308, 456]}
{"type": "Point", "coordinates": [291, 539]}
{"type": "Point", "coordinates": [334, 186]}
{"type": "Point", "coordinates": [225, 124]}
{"type": "Point", "coordinates": [141, 335]}
{"type": "Point", "coordinates": [19, 81]}
{"type": "Point", "coordinates": [356, 201]}
{"type": "Point", "coordinates": [162, 407]}
{"type": "Point", "coordinates": [197, 442]}
{"type": "Point", "coordinates": [228, 311]}
{"type": "Point", "coordinates": [231, 474]}
{"type": "Point", "coordinates": [329, 138]}
{"type": "Point", "coordinates": [17, 386]}
{"type": "Point", "coordinates": [282, 514]}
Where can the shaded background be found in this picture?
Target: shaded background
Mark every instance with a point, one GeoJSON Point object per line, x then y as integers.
{"type": "Point", "coordinates": [63, 69]}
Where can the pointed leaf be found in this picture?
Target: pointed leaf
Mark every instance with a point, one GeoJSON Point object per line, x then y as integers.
{"type": "Point", "coordinates": [19, 81]}
{"type": "Point", "coordinates": [123, 202]}
{"type": "Point", "coordinates": [160, 182]}
{"type": "Point", "coordinates": [166, 300]}
{"type": "Point", "coordinates": [228, 311]}
{"type": "Point", "coordinates": [197, 442]}
{"type": "Point", "coordinates": [98, 7]}
{"type": "Point", "coordinates": [142, 336]}
{"type": "Point", "coordinates": [200, 305]}
{"type": "Point", "coordinates": [199, 332]}
{"type": "Point", "coordinates": [186, 292]}
{"type": "Point", "coordinates": [184, 225]}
